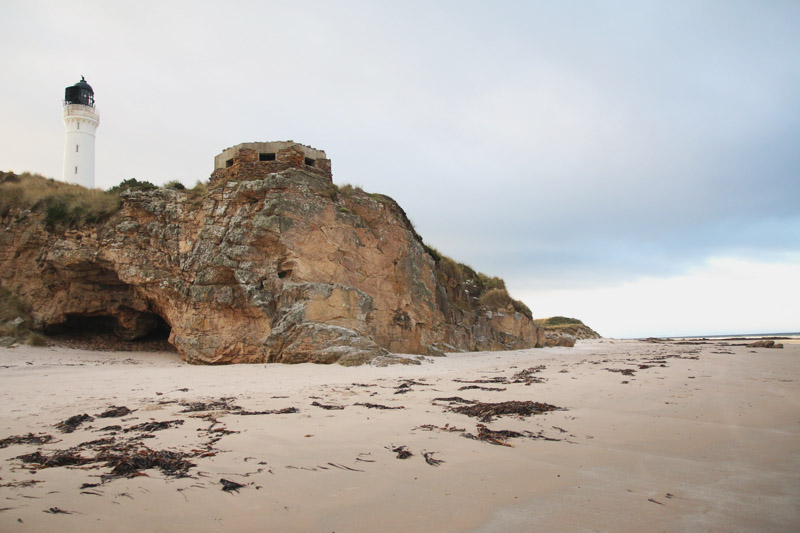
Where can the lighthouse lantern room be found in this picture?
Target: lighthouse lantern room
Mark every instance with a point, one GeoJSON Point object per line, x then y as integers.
{"type": "Point", "coordinates": [81, 120]}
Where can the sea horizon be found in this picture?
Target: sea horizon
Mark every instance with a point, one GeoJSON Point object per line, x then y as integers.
{"type": "Point", "coordinates": [785, 335]}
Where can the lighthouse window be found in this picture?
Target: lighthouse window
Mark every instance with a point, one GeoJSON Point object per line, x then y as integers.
{"type": "Point", "coordinates": [76, 147]}
{"type": "Point", "coordinates": [79, 125]}
{"type": "Point", "coordinates": [76, 170]}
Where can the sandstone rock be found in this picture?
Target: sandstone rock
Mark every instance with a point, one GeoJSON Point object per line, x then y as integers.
{"type": "Point", "coordinates": [283, 267]}
{"type": "Point", "coordinates": [764, 344]}
{"type": "Point", "coordinates": [761, 344]}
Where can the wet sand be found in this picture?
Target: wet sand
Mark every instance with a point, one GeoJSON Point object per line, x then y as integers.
{"type": "Point", "coordinates": [705, 438]}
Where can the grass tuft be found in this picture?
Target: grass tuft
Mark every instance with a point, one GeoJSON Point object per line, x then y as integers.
{"type": "Point", "coordinates": [63, 203]}
{"type": "Point", "coordinates": [175, 185]}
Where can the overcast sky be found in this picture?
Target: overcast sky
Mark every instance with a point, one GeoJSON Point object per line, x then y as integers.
{"type": "Point", "coordinates": [635, 164]}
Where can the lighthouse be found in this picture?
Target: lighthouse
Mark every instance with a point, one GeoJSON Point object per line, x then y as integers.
{"type": "Point", "coordinates": [81, 121]}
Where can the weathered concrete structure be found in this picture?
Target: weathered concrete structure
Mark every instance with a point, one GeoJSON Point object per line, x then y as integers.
{"type": "Point", "coordinates": [247, 161]}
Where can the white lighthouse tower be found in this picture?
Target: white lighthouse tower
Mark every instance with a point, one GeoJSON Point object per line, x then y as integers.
{"type": "Point", "coordinates": [81, 121]}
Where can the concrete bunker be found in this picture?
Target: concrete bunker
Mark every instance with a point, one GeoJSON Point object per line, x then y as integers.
{"type": "Point", "coordinates": [256, 160]}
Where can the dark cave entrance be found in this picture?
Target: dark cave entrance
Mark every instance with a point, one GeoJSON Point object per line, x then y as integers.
{"type": "Point", "coordinates": [104, 332]}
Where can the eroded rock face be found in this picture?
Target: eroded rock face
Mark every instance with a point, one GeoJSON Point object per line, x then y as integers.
{"type": "Point", "coordinates": [284, 268]}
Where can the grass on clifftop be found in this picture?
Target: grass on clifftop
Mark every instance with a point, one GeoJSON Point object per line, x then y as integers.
{"type": "Point", "coordinates": [70, 205]}
{"type": "Point", "coordinates": [573, 326]}
{"type": "Point", "coordinates": [490, 291]}
{"type": "Point", "coordinates": [64, 204]}
{"type": "Point", "coordinates": [558, 321]}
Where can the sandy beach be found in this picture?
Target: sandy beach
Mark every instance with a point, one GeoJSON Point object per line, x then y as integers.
{"type": "Point", "coordinates": [625, 436]}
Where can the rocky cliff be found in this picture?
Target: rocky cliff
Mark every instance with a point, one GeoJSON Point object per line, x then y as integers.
{"type": "Point", "coordinates": [282, 267]}
{"type": "Point", "coordinates": [563, 331]}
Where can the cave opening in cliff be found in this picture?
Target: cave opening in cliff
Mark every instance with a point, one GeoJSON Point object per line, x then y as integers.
{"type": "Point", "coordinates": [104, 332]}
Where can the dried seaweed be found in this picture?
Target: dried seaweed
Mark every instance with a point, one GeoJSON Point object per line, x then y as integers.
{"type": "Point", "coordinates": [21, 484]}
{"type": "Point", "coordinates": [155, 426]}
{"type": "Point", "coordinates": [56, 510]}
{"type": "Point", "coordinates": [405, 386]}
{"type": "Point", "coordinates": [430, 460]}
{"type": "Point", "coordinates": [523, 376]}
{"type": "Point", "coordinates": [58, 458]}
{"type": "Point", "coordinates": [402, 452]}
{"type": "Point", "coordinates": [30, 438]}
{"type": "Point", "coordinates": [446, 427]}
{"type": "Point", "coordinates": [478, 387]}
{"type": "Point", "coordinates": [284, 411]}
{"type": "Point", "coordinates": [115, 412]}
{"type": "Point", "coordinates": [343, 467]}
{"type": "Point", "coordinates": [488, 411]}
{"type": "Point", "coordinates": [497, 437]}
{"type": "Point", "coordinates": [499, 379]}
{"type": "Point", "coordinates": [70, 424]}
{"type": "Point", "coordinates": [96, 443]}
{"type": "Point", "coordinates": [130, 461]}
{"type": "Point", "coordinates": [378, 406]}
{"type": "Point", "coordinates": [623, 371]}
{"type": "Point", "coordinates": [526, 376]}
{"type": "Point", "coordinates": [454, 399]}
{"type": "Point", "coordinates": [230, 486]}
{"type": "Point", "coordinates": [223, 404]}
{"type": "Point", "coordinates": [327, 407]}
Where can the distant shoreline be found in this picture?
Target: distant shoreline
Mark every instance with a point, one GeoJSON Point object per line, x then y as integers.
{"type": "Point", "coordinates": [728, 337]}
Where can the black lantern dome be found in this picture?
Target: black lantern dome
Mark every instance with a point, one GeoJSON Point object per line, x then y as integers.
{"type": "Point", "coordinates": [80, 93]}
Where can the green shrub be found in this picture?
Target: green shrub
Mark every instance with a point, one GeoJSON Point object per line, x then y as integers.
{"type": "Point", "coordinates": [449, 269]}
{"type": "Point", "coordinates": [561, 321]}
{"type": "Point", "coordinates": [489, 283]}
{"type": "Point", "coordinates": [132, 184]}
{"type": "Point", "coordinates": [495, 299]}
{"type": "Point", "coordinates": [36, 339]}
{"type": "Point", "coordinates": [433, 252]}
{"type": "Point", "coordinates": [198, 193]}
{"type": "Point", "coordinates": [521, 308]}
{"type": "Point", "coordinates": [331, 192]}
{"type": "Point", "coordinates": [175, 185]}
{"type": "Point", "coordinates": [349, 189]}
{"type": "Point", "coordinates": [57, 212]}
{"type": "Point", "coordinates": [201, 187]}
{"type": "Point", "coordinates": [467, 272]}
